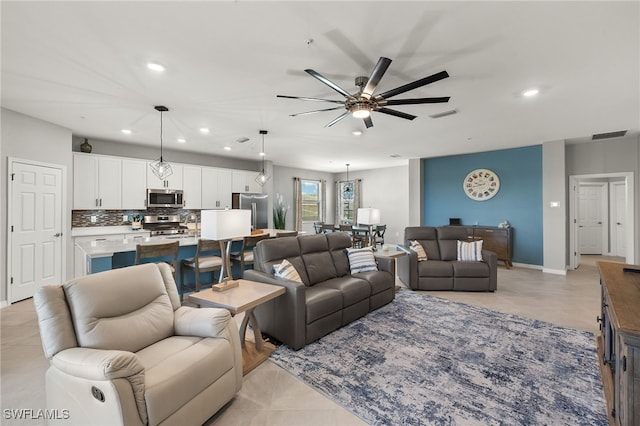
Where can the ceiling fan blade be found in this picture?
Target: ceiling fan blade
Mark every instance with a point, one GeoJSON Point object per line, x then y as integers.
{"type": "Point", "coordinates": [396, 113]}
{"type": "Point", "coordinates": [328, 82]}
{"type": "Point", "coordinates": [313, 112]}
{"type": "Point", "coordinates": [417, 101]}
{"type": "Point", "coordinates": [304, 98]}
{"type": "Point", "coordinates": [368, 122]}
{"type": "Point", "coordinates": [337, 119]}
{"type": "Point", "coordinates": [376, 76]}
{"type": "Point", "coordinates": [414, 85]}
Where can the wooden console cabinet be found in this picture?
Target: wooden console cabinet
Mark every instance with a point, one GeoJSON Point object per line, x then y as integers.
{"type": "Point", "coordinates": [497, 240]}
{"type": "Point", "coordinates": [619, 342]}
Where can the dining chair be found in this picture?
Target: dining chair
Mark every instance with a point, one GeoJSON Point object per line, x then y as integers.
{"type": "Point", "coordinates": [317, 227]}
{"type": "Point", "coordinates": [379, 234]}
{"type": "Point", "coordinates": [244, 257]}
{"type": "Point", "coordinates": [360, 236]}
{"type": "Point", "coordinates": [328, 227]}
{"type": "Point", "coordinates": [159, 252]}
{"type": "Point", "coordinates": [286, 234]}
{"type": "Point", "coordinates": [205, 260]}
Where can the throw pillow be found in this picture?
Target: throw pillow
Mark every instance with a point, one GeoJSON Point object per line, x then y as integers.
{"type": "Point", "coordinates": [470, 252]}
{"type": "Point", "coordinates": [417, 247]}
{"type": "Point", "coordinates": [361, 260]}
{"type": "Point", "coordinates": [287, 271]}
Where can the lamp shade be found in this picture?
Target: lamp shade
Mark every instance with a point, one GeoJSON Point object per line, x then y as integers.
{"type": "Point", "coordinates": [368, 216]}
{"type": "Point", "coordinates": [225, 224]}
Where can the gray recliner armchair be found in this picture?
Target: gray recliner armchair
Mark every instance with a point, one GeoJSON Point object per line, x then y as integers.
{"type": "Point", "coordinates": [124, 351]}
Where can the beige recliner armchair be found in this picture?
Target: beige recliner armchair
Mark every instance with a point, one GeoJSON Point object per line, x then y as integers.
{"type": "Point", "coordinates": [124, 351]}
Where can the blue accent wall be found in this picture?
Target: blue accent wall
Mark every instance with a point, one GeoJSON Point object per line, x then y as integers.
{"type": "Point", "coordinates": [518, 201]}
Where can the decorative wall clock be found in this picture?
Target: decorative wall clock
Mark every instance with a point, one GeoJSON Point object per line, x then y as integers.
{"type": "Point", "coordinates": [481, 184]}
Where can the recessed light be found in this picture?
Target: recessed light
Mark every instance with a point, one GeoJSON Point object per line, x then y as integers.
{"type": "Point", "coordinates": [356, 132]}
{"type": "Point", "coordinates": [154, 66]}
{"type": "Point", "coordinates": [182, 140]}
{"type": "Point", "coordinates": [204, 130]}
{"type": "Point", "coordinates": [227, 148]}
{"type": "Point", "coordinates": [530, 92]}
{"type": "Point", "coordinates": [126, 131]}
{"type": "Point", "coordinates": [262, 154]}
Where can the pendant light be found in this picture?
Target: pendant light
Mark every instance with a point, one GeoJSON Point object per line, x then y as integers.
{"type": "Point", "coordinates": [262, 177]}
{"type": "Point", "coordinates": [161, 168]}
{"type": "Point", "coordinates": [347, 186]}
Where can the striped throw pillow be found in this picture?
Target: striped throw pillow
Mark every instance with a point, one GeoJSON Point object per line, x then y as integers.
{"type": "Point", "coordinates": [417, 247]}
{"type": "Point", "coordinates": [361, 260]}
{"type": "Point", "coordinates": [287, 271]}
{"type": "Point", "coordinates": [470, 252]}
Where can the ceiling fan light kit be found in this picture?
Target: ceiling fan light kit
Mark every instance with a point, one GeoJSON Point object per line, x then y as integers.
{"type": "Point", "coordinates": [363, 103]}
{"type": "Point", "coordinates": [162, 169]}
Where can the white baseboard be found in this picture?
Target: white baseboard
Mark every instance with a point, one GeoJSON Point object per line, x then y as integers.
{"type": "Point", "coordinates": [527, 265]}
{"type": "Point", "coordinates": [554, 271]}
{"type": "Point", "coordinates": [3, 304]}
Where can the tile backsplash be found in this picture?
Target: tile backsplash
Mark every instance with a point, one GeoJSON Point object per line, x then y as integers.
{"type": "Point", "coordinates": [82, 218]}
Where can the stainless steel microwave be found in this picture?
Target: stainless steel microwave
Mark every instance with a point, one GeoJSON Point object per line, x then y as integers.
{"type": "Point", "coordinates": [165, 198]}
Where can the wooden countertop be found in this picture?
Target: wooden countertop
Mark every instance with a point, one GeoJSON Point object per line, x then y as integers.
{"type": "Point", "coordinates": [623, 290]}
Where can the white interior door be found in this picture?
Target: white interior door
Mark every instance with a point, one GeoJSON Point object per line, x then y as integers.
{"type": "Point", "coordinates": [590, 219]}
{"type": "Point", "coordinates": [36, 226]}
{"type": "Point", "coordinates": [618, 219]}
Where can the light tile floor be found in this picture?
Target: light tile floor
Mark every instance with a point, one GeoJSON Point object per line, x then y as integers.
{"type": "Point", "coordinates": [270, 395]}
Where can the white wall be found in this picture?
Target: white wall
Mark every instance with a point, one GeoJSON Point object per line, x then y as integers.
{"type": "Point", "coordinates": [609, 156]}
{"type": "Point", "coordinates": [386, 189]}
{"type": "Point", "coordinates": [28, 138]}
{"type": "Point", "coordinates": [554, 219]}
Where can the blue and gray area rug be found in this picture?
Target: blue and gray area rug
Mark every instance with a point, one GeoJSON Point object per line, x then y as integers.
{"type": "Point", "coordinates": [422, 360]}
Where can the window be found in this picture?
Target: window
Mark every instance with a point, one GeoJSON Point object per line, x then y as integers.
{"type": "Point", "coordinates": [311, 200]}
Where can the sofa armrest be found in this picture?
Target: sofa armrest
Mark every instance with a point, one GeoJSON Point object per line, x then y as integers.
{"type": "Point", "coordinates": [201, 322]}
{"type": "Point", "coordinates": [387, 264]}
{"type": "Point", "coordinates": [492, 260]}
{"type": "Point", "coordinates": [283, 317]}
{"type": "Point", "coordinates": [105, 365]}
{"type": "Point", "coordinates": [408, 267]}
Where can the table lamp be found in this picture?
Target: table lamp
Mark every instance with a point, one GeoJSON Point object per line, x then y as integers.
{"type": "Point", "coordinates": [224, 226]}
{"type": "Point", "coordinates": [370, 217]}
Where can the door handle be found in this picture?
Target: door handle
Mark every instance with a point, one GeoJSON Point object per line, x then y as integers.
{"type": "Point", "coordinates": [599, 223]}
{"type": "Point", "coordinates": [580, 226]}
{"type": "Point", "coordinates": [58, 234]}
{"type": "Point", "coordinates": [618, 223]}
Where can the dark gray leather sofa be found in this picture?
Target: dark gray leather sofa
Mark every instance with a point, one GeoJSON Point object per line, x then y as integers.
{"type": "Point", "coordinates": [329, 296]}
{"type": "Point", "coordinates": [442, 270]}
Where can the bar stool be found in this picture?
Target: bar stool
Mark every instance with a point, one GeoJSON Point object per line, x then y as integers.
{"type": "Point", "coordinates": [244, 257]}
{"type": "Point", "coordinates": [159, 252]}
{"type": "Point", "coordinates": [204, 261]}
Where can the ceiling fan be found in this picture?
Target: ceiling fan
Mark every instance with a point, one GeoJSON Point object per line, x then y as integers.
{"type": "Point", "coordinates": [362, 103]}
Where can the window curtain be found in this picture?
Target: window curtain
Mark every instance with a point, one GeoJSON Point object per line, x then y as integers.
{"type": "Point", "coordinates": [357, 199]}
{"type": "Point", "coordinates": [297, 200]}
{"type": "Point", "coordinates": [323, 200]}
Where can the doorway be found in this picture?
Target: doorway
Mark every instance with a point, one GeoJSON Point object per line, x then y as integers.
{"type": "Point", "coordinates": [613, 195]}
{"type": "Point", "coordinates": [35, 222]}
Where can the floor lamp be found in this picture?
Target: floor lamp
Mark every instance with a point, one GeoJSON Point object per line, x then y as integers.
{"type": "Point", "coordinates": [224, 226]}
{"type": "Point", "coordinates": [368, 216]}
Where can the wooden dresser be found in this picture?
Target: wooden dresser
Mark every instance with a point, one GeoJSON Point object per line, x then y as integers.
{"type": "Point", "coordinates": [619, 342]}
{"type": "Point", "coordinates": [497, 240]}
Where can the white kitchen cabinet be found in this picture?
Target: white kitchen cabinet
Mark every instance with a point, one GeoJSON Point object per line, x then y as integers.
{"type": "Point", "coordinates": [172, 182]}
{"type": "Point", "coordinates": [134, 184]}
{"type": "Point", "coordinates": [97, 182]}
{"type": "Point", "coordinates": [245, 181]}
{"type": "Point", "coordinates": [192, 187]}
{"type": "Point", "coordinates": [216, 188]}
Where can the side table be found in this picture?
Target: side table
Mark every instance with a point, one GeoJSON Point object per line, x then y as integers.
{"type": "Point", "coordinates": [243, 298]}
{"type": "Point", "coordinates": [393, 253]}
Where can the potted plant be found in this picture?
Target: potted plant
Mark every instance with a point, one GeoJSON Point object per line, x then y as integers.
{"type": "Point", "coordinates": [279, 212]}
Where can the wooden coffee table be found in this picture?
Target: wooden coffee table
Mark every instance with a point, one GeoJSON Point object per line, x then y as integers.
{"type": "Point", "coordinates": [243, 298]}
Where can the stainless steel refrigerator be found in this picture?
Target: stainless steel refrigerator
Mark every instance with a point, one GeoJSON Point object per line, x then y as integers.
{"type": "Point", "coordinates": [257, 203]}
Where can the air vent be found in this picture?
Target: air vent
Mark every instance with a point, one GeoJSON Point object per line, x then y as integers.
{"type": "Point", "coordinates": [242, 140]}
{"type": "Point", "coordinates": [444, 114]}
{"type": "Point", "coordinates": [618, 134]}
{"type": "Point", "coordinates": [395, 156]}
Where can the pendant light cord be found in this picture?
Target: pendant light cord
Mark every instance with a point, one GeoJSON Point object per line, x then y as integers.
{"type": "Point", "coordinates": [161, 136]}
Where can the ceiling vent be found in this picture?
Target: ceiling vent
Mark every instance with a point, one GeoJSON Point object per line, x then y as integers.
{"type": "Point", "coordinates": [618, 134]}
{"type": "Point", "coordinates": [242, 140]}
{"type": "Point", "coordinates": [444, 114]}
